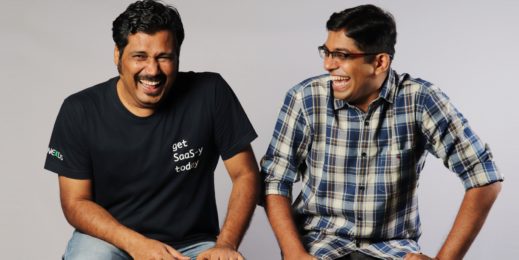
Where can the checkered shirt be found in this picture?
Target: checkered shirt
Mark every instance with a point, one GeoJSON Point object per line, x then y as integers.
{"type": "Point", "coordinates": [360, 170]}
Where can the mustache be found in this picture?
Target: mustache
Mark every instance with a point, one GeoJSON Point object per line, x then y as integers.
{"type": "Point", "coordinates": [160, 77]}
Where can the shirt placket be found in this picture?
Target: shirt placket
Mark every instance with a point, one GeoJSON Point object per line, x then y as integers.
{"type": "Point", "coordinates": [363, 163]}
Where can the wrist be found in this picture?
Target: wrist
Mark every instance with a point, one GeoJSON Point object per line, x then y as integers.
{"type": "Point", "coordinates": [296, 254]}
{"type": "Point", "coordinates": [226, 244]}
{"type": "Point", "coordinates": [132, 242]}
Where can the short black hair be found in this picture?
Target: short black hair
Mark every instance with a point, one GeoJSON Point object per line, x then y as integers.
{"type": "Point", "coordinates": [373, 29]}
{"type": "Point", "coordinates": [147, 16]}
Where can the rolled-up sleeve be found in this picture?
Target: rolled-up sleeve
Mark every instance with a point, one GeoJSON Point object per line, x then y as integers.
{"type": "Point", "coordinates": [450, 138]}
{"type": "Point", "coordinates": [287, 151]}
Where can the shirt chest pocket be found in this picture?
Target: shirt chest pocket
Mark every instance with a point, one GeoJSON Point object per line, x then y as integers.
{"type": "Point", "coordinates": [398, 171]}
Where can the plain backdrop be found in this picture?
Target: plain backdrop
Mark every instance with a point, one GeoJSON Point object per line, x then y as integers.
{"type": "Point", "coordinates": [51, 49]}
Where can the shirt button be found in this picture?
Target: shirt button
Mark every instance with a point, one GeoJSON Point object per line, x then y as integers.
{"type": "Point", "coordinates": [364, 154]}
{"type": "Point", "coordinates": [361, 188]}
{"type": "Point", "coordinates": [359, 218]}
{"type": "Point", "coordinates": [366, 123]}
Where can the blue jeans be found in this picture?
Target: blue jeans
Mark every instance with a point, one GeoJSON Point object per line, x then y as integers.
{"type": "Point", "coordinates": [84, 247]}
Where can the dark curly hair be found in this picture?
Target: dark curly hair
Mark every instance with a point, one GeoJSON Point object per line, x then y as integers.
{"type": "Point", "coordinates": [373, 29]}
{"type": "Point", "coordinates": [147, 16]}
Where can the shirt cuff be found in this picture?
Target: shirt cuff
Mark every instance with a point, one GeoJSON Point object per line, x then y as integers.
{"type": "Point", "coordinates": [481, 175]}
{"type": "Point", "coordinates": [278, 188]}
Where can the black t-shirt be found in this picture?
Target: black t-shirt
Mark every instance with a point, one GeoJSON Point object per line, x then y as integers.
{"type": "Point", "coordinates": [155, 175]}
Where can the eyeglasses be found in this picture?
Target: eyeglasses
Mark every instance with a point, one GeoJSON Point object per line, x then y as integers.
{"type": "Point", "coordinates": [341, 56]}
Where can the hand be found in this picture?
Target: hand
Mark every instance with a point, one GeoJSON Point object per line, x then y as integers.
{"type": "Point", "coordinates": [148, 249]}
{"type": "Point", "coordinates": [418, 256]}
{"type": "Point", "coordinates": [220, 253]}
{"type": "Point", "coordinates": [302, 256]}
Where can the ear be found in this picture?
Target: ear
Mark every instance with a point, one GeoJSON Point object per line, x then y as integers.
{"type": "Point", "coordinates": [116, 56]}
{"type": "Point", "coordinates": [382, 62]}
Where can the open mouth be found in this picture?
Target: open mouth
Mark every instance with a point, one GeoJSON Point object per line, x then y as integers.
{"type": "Point", "coordinates": [339, 83]}
{"type": "Point", "coordinates": [151, 86]}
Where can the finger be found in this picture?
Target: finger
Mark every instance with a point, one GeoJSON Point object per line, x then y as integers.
{"type": "Point", "coordinates": [236, 256]}
{"type": "Point", "coordinates": [202, 256]}
{"type": "Point", "coordinates": [417, 256]}
{"type": "Point", "coordinates": [409, 256]}
{"type": "Point", "coordinates": [176, 254]}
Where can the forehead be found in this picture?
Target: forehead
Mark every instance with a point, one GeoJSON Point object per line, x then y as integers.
{"type": "Point", "coordinates": [337, 40]}
{"type": "Point", "coordinates": [161, 40]}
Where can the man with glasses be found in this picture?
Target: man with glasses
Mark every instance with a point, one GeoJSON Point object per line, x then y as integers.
{"type": "Point", "coordinates": [358, 137]}
{"type": "Point", "coordinates": [136, 154]}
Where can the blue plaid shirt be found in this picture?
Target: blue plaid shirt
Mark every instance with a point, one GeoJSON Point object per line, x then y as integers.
{"type": "Point", "coordinates": [360, 170]}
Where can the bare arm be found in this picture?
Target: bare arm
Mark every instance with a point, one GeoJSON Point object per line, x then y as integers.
{"type": "Point", "coordinates": [279, 212]}
{"type": "Point", "coordinates": [471, 216]}
{"type": "Point", "coordinates": [87, 216]}
{"type": "Point", "coordinates": [244, 174]}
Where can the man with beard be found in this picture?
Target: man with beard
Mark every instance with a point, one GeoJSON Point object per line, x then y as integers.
{"type": "Point", "coordinates": [136, 154]}
{"type": "Point", "coordinates": [358, 137]}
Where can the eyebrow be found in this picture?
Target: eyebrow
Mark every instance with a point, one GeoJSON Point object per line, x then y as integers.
{"type": "Point", "coordinates": [338, 49]}
{"type": "Point", "coordinates": [138, 52]}
{"type": "Point", "coordinates": [161, 54]}
{"type": "Point", "coordinates": [170, 54]}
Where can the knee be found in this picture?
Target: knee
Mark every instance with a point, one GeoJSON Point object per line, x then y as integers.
{"type": "Point", "coordinates": [83, 247]}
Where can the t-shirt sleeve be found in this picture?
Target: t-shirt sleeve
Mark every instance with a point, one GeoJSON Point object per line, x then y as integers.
{"type": "Point", "coordinates": [67, 154]}
{"type": "Point", "coordinates": [233, 130]}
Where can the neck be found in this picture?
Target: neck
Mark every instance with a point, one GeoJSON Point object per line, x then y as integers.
{"type": "Point", "coordinates": [130, 104]}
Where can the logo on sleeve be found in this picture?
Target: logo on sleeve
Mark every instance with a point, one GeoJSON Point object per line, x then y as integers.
{"type": "Point", "coordinates": [55, 153]}
{"type": "Point", "coordinates": [185, 157]}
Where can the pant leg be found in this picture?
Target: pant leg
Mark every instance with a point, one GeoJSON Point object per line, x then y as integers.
{"type": "Point", "coordinates": [84, 247]}
{"type": "Point", "coordinates": [194, 250]}
{"type": "Point", "coordinates": [357, 256]}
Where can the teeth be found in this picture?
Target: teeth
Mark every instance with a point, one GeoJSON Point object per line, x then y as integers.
{"type": "Point", "coordinates": [338, 77]}
{"type": "Point", "coordinates": [148, 82]}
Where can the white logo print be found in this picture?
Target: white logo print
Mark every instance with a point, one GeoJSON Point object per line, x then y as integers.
{"type": "Point", "coordinates": [182, 153]}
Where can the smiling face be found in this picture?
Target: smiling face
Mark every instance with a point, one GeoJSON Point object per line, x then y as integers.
{"type": "Point", "coordinates": [353, 79]}
{"type": "Point", "coordinates": [147, 70]}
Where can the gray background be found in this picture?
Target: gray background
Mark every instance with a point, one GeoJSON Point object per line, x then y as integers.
{"type": "Point", "coordinates": [51, 49]}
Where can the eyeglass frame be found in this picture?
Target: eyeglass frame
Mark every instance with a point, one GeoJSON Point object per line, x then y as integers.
{"type": "Point", "coordinates": [342, 56]}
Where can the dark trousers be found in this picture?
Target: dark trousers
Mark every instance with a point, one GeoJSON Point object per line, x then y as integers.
{"type": "Point", "coordinates": [357, 256]}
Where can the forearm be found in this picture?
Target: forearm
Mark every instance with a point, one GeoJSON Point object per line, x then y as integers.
{"type": "Point", "coordinates": [92, 219]}
{"type": "Point", "coordinates": [472, 214]}
{"type": "Point", "coordinates": [242, 203]}
{"type": "Point", "coordinates": [279, 212]}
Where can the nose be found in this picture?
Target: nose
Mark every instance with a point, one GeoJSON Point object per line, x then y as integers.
{"type": "Point", "coordinates": [330, 63]}
{"type": "Point", "coordinates": [152, 67]}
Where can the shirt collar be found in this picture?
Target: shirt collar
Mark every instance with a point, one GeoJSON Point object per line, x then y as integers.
{"type": "Point", "coordinates": [389, 87]}
{"type": "Point", "coordinates": [387, 92]}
